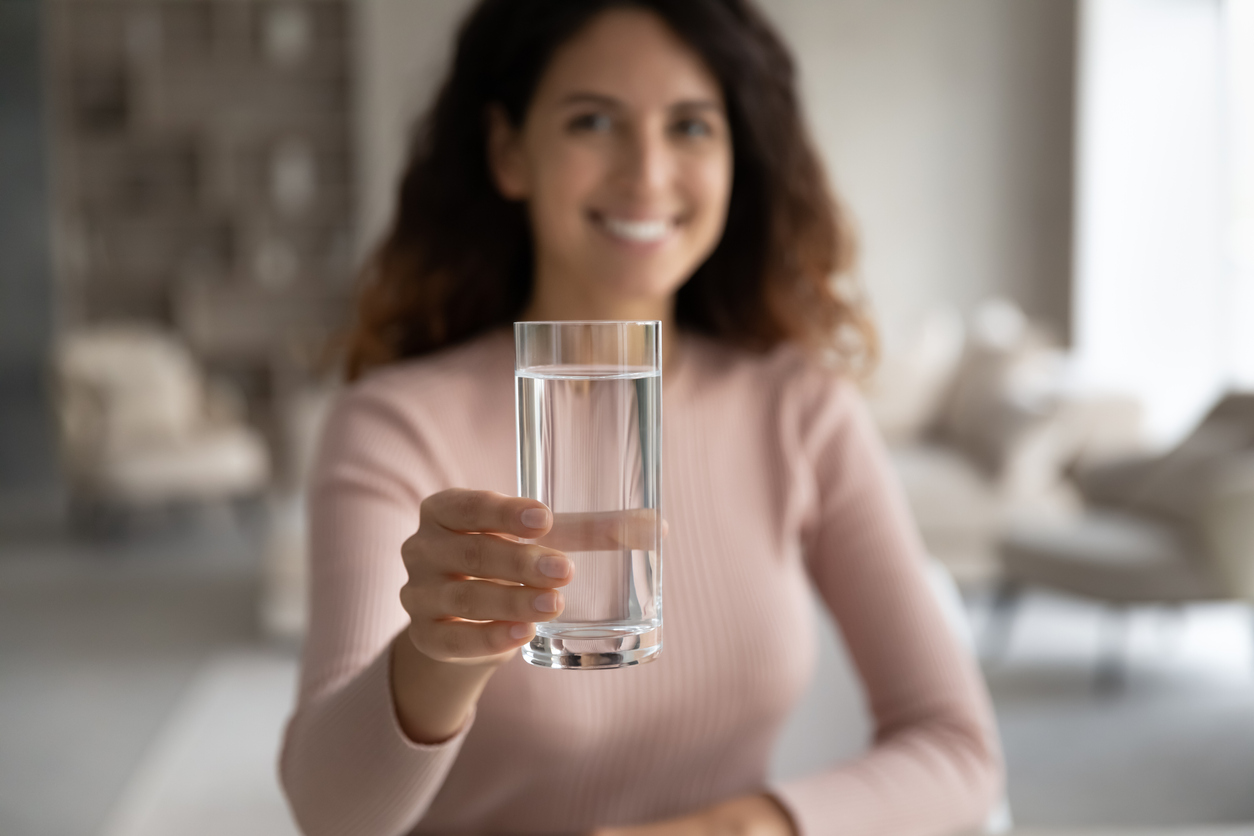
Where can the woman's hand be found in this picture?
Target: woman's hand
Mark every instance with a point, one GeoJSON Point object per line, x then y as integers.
{"type": "Point", "coordinates": [751, 815]}
{"type": "Point", "coordinates": [474, 592]}
{"type": "Point", "coordinates": [473, 597]}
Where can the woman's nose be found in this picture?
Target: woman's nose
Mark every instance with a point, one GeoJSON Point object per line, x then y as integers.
{"type": "Point", "coordinates": [649, 162]}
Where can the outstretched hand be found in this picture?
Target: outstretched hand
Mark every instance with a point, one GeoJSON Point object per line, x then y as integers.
{"type": "Point", "coordinates": [475, 592]}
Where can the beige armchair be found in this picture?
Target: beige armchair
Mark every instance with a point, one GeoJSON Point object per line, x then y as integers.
{"type": "Point", "coordinates": [139, 427]}
{"type": "Point", "coordinates": [1166, 529]}
{"type": "Point", "coordinates": [983, 430]}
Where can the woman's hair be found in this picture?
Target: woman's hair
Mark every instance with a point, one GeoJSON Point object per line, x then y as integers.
{"type": "Point", "coordinates": [458, 258]}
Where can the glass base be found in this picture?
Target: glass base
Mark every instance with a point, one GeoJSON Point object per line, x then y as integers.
{"type": "Point", "coordinates": [592, 647]}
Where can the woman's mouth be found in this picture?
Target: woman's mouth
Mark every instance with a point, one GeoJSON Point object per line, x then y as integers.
{"type": "Point", "coordinates": [635, 231]}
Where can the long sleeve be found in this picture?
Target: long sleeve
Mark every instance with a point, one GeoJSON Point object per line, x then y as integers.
{"type": "Point", "coordinates": [694, 727]}
{"type": "Point", "coordinates": [346, 765]}
{"type": "Point", "coordinates": [935, 766]}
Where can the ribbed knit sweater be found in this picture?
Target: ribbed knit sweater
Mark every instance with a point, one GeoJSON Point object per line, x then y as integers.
{"type": "Point", "coordinates": [773, 479]}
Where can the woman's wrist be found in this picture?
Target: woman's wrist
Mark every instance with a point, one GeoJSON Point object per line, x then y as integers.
{"type": "Point", "coordinates": [433, 699]}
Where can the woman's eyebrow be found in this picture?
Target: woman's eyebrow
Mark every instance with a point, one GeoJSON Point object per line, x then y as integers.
{"type": "Point", "coordinates": [696, 104]}
{"type": "Point", "coordinates": [591, 98]}
{"type": "Point", "coordinates": [586, 97]}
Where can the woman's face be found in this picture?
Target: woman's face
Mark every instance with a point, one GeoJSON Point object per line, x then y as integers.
{"type": "Point", "coordinates": [625, 163]}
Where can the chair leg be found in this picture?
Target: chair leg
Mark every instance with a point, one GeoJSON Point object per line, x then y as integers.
{"type": "Point", "coordinates": [1111, 676]}
{"type": "Point", "coordinates": [1002, 610]}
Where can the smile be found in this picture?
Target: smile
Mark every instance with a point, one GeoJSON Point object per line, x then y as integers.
{"type": "Point", "coordinates": [637, 232]}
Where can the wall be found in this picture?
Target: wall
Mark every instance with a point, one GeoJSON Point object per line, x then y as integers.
{"type": "Point", "coordinates": [946, 125]}
{"type": "Point", "coordinates": [402, 49]}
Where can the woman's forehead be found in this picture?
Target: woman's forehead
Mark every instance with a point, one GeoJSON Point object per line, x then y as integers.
{"type": "Point", "coordinates": [630, 56]}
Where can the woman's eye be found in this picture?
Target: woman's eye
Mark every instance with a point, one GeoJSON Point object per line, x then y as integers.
{"type": "Point", "coordinates": [692, 128]}
{"type": "Point", "coordinates": [590, 122]}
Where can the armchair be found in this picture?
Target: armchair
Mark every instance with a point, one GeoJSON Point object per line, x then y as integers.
{"type": "Point", "coordinates": [982, 431]}
{"type": "Point", "coordinates": [1165, 529]}
{"type": "Point", "coordinates": [140, 427]}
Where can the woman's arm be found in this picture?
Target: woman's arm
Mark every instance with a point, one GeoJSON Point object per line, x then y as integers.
{"type": "Point", "coordinates": [935, 765]}
{"type": "Point", "coordinates": [347, 766]}
{"type": "Point", "coordinates": [387, 691]}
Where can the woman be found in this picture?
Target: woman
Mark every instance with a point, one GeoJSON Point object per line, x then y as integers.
{"type": "Point", "coordinates": [594, 159]}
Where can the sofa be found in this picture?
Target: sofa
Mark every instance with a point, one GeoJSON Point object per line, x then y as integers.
{"type": "Point", "coordinates": [985, 427]}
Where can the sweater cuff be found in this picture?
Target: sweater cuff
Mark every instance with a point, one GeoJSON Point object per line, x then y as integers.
{"type": "Point", "coordinates": [445, 748]}
{"type": "Point", "coordinates": [362, 773]}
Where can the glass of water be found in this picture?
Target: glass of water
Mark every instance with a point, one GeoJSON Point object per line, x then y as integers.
{"type": "Point", "coordinates": [588, 401]}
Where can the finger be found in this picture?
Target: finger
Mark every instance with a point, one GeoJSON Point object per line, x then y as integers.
{"type": "Point", "coordinates": [634, 528]}
{"type": "Point", "coordinates": [476, 600]}
{"type": "Point", "coordinates": [445, 640]}
{"type": "Point", "coordinates": [495, 558]}
{"type": "Point", "coordinates": [463, 510]}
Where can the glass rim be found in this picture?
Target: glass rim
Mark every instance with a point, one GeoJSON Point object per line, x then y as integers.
{"type": "Point", "coordinates": [588, 322]}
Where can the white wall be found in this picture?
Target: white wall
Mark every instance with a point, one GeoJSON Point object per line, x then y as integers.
{"type": "Point", "coordinates": [947, 129]}
{"type": "Point", "coordinates": [402, 47]}
{"type": "Point", "coordinates": [946, 125]}
{"type": "Point", "coordinates": [1151, 292]}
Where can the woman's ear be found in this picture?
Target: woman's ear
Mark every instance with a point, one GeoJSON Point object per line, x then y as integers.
{"type": "Point", "coordinates": [505, 157]}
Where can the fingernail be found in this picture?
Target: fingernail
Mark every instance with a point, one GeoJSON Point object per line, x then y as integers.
{"type": "Point", "coordinates": [520, 631]}
{"type": "Point", "coordinates": [535, 517]}
{"type": "Point", "coordinates": [546, 602]}
{"type": "Point", "coordinates": [553, 567]}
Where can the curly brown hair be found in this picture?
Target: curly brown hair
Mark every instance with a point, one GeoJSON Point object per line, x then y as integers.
{"type": "Point", "coordinates": [458, 258]}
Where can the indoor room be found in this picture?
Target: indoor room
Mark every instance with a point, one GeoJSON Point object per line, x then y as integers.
{"type": "Point", "coordinates": [1035, 299]}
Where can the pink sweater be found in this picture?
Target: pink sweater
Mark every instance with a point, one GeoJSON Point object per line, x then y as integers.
{"type": "Point", "coordinates": [773, 479]}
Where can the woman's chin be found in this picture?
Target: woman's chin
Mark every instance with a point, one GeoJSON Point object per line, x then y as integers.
{"type": "Point", "coordinates": [643, 282]}
{"type": "Point", "coordinates": [644, 296]}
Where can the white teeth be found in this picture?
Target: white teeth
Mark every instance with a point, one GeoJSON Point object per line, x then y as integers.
{"type": "Point", "coordinates": [644, 232]}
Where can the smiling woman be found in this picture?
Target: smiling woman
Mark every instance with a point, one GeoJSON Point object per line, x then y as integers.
{"type": "Point", "coordinates": [624, 162]}
{"type": "Point", "coordinates": [604, 159]}
{"type": "Point", "coordinates": [669, 130]}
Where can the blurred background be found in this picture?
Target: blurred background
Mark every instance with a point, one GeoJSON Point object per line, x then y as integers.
{"type": "Point", "coordinates": [1055, 202]}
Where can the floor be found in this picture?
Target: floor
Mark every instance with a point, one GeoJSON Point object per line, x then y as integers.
{"type": "Point", "coordinates": [1173, 746]}
{"type": "Point", "coordinates": [98, 645]}
{"type": "Point", "coordinates": [119, 659]}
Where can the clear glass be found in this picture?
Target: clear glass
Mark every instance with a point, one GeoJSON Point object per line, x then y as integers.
{"type": "Point", "coordinates": [588, 401]}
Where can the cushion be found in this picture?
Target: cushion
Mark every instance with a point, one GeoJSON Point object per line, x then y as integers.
{"type": "Point", "coordinates": [1177, 484]}
{"type": "Point", "coordinates": [909, 386]}
{"type": "Point", "coordinates": [1004, 387]}
{"type": "Point", "coordinates": [1184, 478]}
{"type": "Point", "coordinates": [219, 461]}
{"type": "Point", "coordinates": [143, 379]}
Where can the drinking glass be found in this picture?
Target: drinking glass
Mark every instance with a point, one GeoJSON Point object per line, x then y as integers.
{"type": "Point", "coordinates": [588, 402]}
